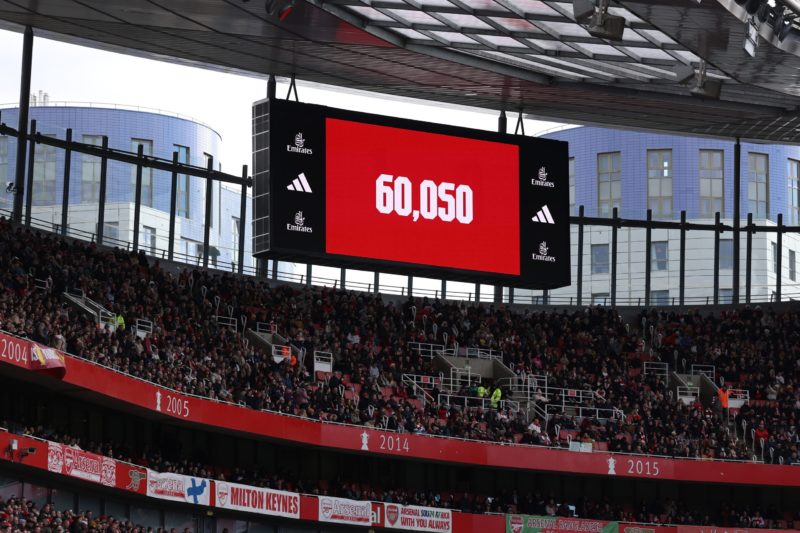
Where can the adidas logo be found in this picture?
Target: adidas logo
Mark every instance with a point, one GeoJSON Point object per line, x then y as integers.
{"type": "Point", "coordinates": [543, 216]}
{"type": "Point", "coordinates": [300, 184]}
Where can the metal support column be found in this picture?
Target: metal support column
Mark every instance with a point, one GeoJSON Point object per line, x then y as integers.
{"type": "Point", "coordinates": [737, 194]}
{"type": "Point", "coordinates": [137, 195]}
{"type": "Point", "coordinates": [748, 259]}
{"type": "Point", "coordinates": [716, 257]}
{"type": "Point", "coordinates": [65, 193]}
{"type": "Point", "coordinates": [580, 256]}
{"type": "Point", "coordinates": [444, 289]}
{"type": "Point", "coordinates": [309, 270]}
{"type": "Point", "coordinates": [207, 219]}
{"type": "Point", "coordinates": [242, 222]}
{"type": "Point", "coordinates": [342, 278]}
{"type": "Point", "coordinates": [477, 292]}
{"type": "Point", "coordinates": [101, 200]}
{"type": "Point", "coordinates": [648, 256]}
{"type": "Point", "coordinates": [502, 125]}
{"type": "Point", "coordinates": [376, 282]}
{"type": "Point", "coordinates": [173, 194]}
{"type": "Point", "coordinates": [410, 285]}
{"type": "Point", "coordinates": [682, 267]}
{"type": "Point", "coordinates": [779, 259]}
{"type": "Point", "coordinates": [22, 127]}
{"type": "Point", "coordinates": [272, 86]}
{"type": "Point", "coordinates": [31, 171]}
{"type": "Point", "coordinates": [614, 258]}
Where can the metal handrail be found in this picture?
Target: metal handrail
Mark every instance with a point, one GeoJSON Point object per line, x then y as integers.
{"type": "Point", "coordinates": [475, 402]}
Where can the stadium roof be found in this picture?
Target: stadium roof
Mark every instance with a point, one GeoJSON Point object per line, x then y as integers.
{"type": "Point", "coordinates": [518, 55]}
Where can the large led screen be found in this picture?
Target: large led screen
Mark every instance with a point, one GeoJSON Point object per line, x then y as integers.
{"type": "Point", "coordinates": [351, 189]}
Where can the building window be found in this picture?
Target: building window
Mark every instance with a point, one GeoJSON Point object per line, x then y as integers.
{"type": "Point", "coordinates": [659, 182]}
{"type": "Point", "coordinates": [609, 183]}
{"type": "Point", "coordinates": [5, 198]}
{"type": "Point", "coordinates": [659, 255]}
{"type": "Point", "coordinates": [184, 183]}
{"type": "Point", "coordinates": [235, 229]}
{"type": "Point", "coordinates": [726, 253]}
{"type": "Point", "coordinates": [573, 210]}
{"type": "Point", "coordinates": [147, 172]}
{"type": "Point", "coordinates": [110, 231]}
{"type": "Point", "coordinates": [774, 257]}
{"type": "Point", "coordinates": [659, 297]}
{"type": "Point", "coordinates": [712, 183]}
{"type": "Point", "coordinates": [726, 296]}
{"type": "Point", "coordinates": [90, 171]}
{"type": "Point", "coordinates": [794, 192]}
{"type": "Point", "coordinates": [599, 259]}
{"type": "Point", "coordinates": [792, 265]}
{"type": "Point", "coordinates": [758, 185]}
{"type": "Point", "coordinates": [148, 243]}
{"type": "Point", "coordinates": [44, 174]}
{"type": "Point", "coordinates": [599, 298]}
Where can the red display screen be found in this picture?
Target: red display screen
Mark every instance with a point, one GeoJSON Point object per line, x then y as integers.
{"type": "Point", "coordinates": [409, 196]}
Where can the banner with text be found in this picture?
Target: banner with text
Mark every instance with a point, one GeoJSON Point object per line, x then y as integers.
{"type": "Point", "coordinates": [257, 500]}
{"type": "Point", "coordinates": [516, 523]}
{"type": "Point", "coordinates": [77, 463]}
{"type": "Point", "coordinates": [344, 511]}
{"type": "Point", "coordinates": [178, 488]}
{"type": "Point", "coordinates": [47, 360]}
{"type": "Point", "coordinates": [415, 518]}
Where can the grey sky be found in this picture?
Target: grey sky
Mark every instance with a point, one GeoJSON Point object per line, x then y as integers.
{"type": "Point", "coordinates": [80, 74]}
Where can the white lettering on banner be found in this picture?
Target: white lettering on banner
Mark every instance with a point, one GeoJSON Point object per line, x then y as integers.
{"type": "Point", "coordinates": [177, 406]}
{"type": "Point", "coordinates": [415, 518]}
{"type": "Point", "coordinates": [257, 500]}
{"type": "Point", "coordinates": [643, 467]}
{"type": "Point", "coordinates": [394, 443]}
{"type": "Point", "coordinates": [344, 511]}
{"type": "Point", "coordinates": [80, 464]}
{"type": "Point", "coordinates": [166, 486]}
{"type": "Point", "coordinates": [14, 350]}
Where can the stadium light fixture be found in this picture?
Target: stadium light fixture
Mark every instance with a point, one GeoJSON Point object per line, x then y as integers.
{"type": "Point", "coordinates": [596, 19]}
{"type": "Point", "coordinates": [699, 83]}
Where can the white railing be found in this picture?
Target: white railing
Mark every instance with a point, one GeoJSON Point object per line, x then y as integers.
{"type": "Point", "coordinates": [707, 370]}
{"type": "Point", "coordinates": [473, 402]}
{"type": "Point", "coordinates": [531, 387]}
{"type": "Point", "coordinates": [738, 398]}
{"type": "Point", "coordinates": [688, 395]}
{"type": "Point", "coordinates": [420, 385]}
{"type": "Point", "coordinates": [424, 382]}
{"type": "Point", "coordinates": [228, 322]}
{"type": "Point", "coordinates": [426, 349]}
{"type": "Point", "coordinates": [41, 284]}
{"type": "Point", "coordinates": [143, 327]}
{"type": "Point", "coordinates": [323, 361]}
{"type": "Point", "coordinates": [583, 411]}
{"type": "Point", "coordinates": [656, 368]}
{"type": "Point", "coordinates": [484, 353]}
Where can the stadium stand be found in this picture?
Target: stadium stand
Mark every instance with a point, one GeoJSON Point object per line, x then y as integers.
{"type": "Point", "coordinates": [670, 511]}
{"type": "Point", "coordinates": [91, 302]}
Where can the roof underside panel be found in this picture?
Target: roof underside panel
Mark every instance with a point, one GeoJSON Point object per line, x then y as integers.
{"type": "Point", "coordinates": [521, 55]}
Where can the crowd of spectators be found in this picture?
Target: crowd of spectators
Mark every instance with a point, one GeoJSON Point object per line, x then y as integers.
{"type": "Point", "coordinates": [753, 350]}
{"type": "Point", "coordinates": [19, 514]}
{"type": "Point", "coordinates": [590, 350]}
{"type": "Point", "coordinates": [538, 502]}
